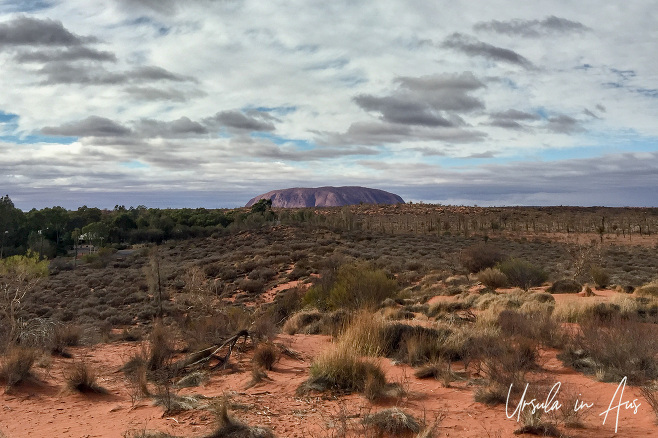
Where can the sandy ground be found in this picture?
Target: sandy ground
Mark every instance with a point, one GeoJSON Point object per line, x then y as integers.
{"type": "Point", "coordinates": [43, 408]}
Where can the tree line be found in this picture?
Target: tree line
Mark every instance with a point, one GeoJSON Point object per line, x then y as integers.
{"type": "Point", "coordinates": [54, 231]}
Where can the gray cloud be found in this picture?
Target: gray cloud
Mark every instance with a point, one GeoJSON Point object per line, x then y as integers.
{"type": "Point", "coordinates": [183, 127]}
{"type": "Point", "coordinates": [264, 149]}
{"type": "Point", "coordinates": [165, 7]}
{"type": "Point", "coordinates": [398, 109]}
{"type": "Point", "coordinates": [92, 126]}
{"type": "Point", "coordinates": [239, 121]}
{"type": "Point", "coordinates": [532, 28]}
{"type": "Point", "coordinates": [65, 73]}
{"type": "Point", "coordinates": [510, 119]}
{"type": "Point", "coordinates": [473, 47]}
{"type": "Point", "coordinates": [71, 54]}
{"type": "Point", "coordinates": [150, 93]}
{"type": "Point", "coordinates": [27, 31]}
{"type": "Point", "coordinates": [513, 114]}
{"type": "Point", "coordinates": [564, 124]}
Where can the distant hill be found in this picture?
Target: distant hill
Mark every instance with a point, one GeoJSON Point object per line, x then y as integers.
{"type": "Point", "coordinates": [327, 197]}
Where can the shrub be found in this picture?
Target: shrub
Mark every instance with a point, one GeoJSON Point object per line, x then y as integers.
{"type": "Point", "coordinates": [600, 276]}
{"type": "Point", "coordinates": [492, 278]}
{"type": "Point", "coordinates": [612, 350]}
{"type": "Point", "coordinates": [265, 355]}
{"type": "Point", "coordinates": [66, 335]}
{"type": "Point", "coordinates": [17, 365]}
{"type": "Point", "coordinates": [356, 285]}
{"type": "Point", "coordinates": [481, 256]}
{"type": "Point", "coordinates": [565, 286]}
{"type": "Point", "coordinates": [523, 274]}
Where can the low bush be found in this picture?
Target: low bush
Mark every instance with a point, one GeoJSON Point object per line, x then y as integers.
{"type": "Point", "coordinates": [565, 286]}
{"type": "Point", "coordinates": [356, 286]}
{"type": "Point", "coordinates": [481, 256]}
{"type": "Point", "coordinates": [613, 349]}
{"type": "Point", "coordinates": [523, 274]}
{"type": "Point", "coordinates": [492, 278]}
{"type": "Point", "coordinates": [600, 276]}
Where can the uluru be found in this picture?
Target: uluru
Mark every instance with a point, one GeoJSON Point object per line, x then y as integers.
{"type": "Point", "coordinates": [299, 197]}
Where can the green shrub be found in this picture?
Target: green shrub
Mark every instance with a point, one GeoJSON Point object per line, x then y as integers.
{"type": "Point", "coordinates": [356, 286]}
{"type": "Point", "coordinates": [523, 274]}
{"type": "Point", "coordinates": [600, 276]}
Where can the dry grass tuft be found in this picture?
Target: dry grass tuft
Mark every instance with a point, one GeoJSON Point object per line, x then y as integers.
{"type": "Point", "coordinates": [265, 356]}
{"type": "Point", "coordinates": [81, 377]}
{"type": "Point", "coordinates": [392, 421]}
{"type": "Point", "coordinates": [228, 427]}
{"type": "Point", "coordinates": [17, 365]}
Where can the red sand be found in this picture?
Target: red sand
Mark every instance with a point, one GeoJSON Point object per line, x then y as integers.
{"type": "Point", "coordinates": [42, 409]}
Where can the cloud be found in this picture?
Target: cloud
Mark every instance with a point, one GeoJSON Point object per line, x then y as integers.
{"type": "Point", "coordinates": [27, 31]}
{"type": "Point", "coordinates": [564, 124]}
{"type": "Point", "coordinates": [510, 119]}
{"type": "Point", "coordinates": [236, 120]}
{"type": "Point", "coordinates": [165, 7]}
{"type": "Point", "coordinates": [66, 73]}
{"type": "Point", "coordinates": [473, 47]}
{"type": "Point", "coordinates": [532, 28]}
{"type": "Point", "coordinates": [92, 126]}
{"type": "Point", "coordinates": [398, 109]}
{"type": "Point", "coordinates": [71, 54]}
{"type": "Point", "coordinates": [182, 127]}
{"type": "Point", "coordinates": [420, 108]}
{"type": "Point", "coordinates": [151, 93]}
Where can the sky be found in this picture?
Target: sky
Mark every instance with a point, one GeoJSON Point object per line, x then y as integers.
{"type": "Point", "coordinates": [208, 103]}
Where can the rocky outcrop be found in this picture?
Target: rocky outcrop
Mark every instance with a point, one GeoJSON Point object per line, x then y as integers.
{"type": "Point", "coordinates": [327, 197]}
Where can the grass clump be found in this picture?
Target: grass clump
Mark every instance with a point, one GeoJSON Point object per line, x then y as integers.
{"type": "Point", "coordinates": [392, 421]}
{"type": "Point", "coordinates": [343, 370]}
{"type": "Point", "coordinates": [265, 356]}
{"type": "Point", "coordinates": [17, 365]}
{"type": "Point", "coordinates": [492, 278]}
{"type": "Point", "coordinates": [648, 290]}
{"type": "Point", "coordinates": [229, 427]}
{"type": "Point", "coordinates": [80, 377]}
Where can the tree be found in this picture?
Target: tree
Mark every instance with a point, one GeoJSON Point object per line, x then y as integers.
{"type": "Point", "coordinates": [95, 232]}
